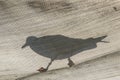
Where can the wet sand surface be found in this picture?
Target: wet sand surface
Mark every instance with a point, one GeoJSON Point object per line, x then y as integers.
{"type": "Point", "coordinates": [73, 19]}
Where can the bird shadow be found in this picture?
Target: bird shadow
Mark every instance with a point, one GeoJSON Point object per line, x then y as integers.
{"type": "Point", "coordinates": [57, 47]}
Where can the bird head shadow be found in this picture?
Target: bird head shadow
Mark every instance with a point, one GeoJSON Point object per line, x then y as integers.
{"type": "Point", "coordinates": [61, 47]}
{"type": "Point", "coordinates": [29, 41]}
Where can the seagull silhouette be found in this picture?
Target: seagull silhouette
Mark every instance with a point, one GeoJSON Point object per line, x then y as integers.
{"type": "Point", "coordinates": [60, 47]}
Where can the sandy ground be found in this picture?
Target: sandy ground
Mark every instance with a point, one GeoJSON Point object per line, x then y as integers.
{"type": "Point", "coordinates": [82, 19]}
{"type": "Point", "coordinates": [104, 68]}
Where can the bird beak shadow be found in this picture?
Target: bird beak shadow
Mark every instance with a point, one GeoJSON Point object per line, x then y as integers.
{"type": "Point", "coordinates": [25, 45]}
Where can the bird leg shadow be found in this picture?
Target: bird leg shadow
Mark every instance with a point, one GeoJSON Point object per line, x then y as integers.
{"type": "Point", "coordinates": [42, 69]}
{"type": "Point", "coordinates": [70, 62]}
{"type": "Point", "coordinates": [45, 69]}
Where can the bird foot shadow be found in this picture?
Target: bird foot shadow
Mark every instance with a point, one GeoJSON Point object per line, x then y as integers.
{"type": "Point", "coordinates": [42, 69]}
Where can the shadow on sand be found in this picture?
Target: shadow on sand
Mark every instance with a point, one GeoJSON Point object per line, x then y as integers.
{"type": "Point", "coordinates": [60, 47]}
{"type": "Point", "coordinates": [43, 5]}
